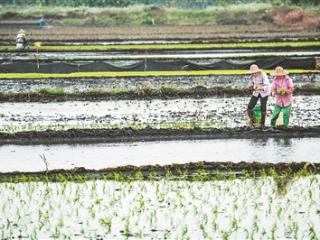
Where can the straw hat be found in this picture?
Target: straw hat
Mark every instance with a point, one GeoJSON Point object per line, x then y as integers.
{"type": "Point", "coordinates": [279, 71]}
{"type": "Point", "coordinates": [21, 31]}
{"type": "Point", "coordinates": [254, 69]}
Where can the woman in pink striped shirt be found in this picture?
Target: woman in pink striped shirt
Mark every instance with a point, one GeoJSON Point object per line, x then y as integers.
{"type": "Point", "coordinates": [282, 88]}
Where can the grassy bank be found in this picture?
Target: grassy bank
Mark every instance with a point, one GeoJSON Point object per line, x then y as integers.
{"type": "Point", "coordinates": [136, 15]}
{"type": "Point", "coordinates": [251, 13]}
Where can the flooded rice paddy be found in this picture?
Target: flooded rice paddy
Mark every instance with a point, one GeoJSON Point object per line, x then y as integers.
{"type": "Point", "coordinates": [221, 209]}
{"type": "Point", "coordinates": [177, 113]}
{"type": "Point", "coordinates": [265, 207]}
{"type": "Point", "coordinates": [30, 158]}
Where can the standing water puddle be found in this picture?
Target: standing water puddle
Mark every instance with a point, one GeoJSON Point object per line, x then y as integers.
{"type": "Point", "coordinates": [104, 155]}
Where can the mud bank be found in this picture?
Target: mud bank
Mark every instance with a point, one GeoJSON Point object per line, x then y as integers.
{"type": "Point", "coordinates": [133, 83]}
{"type": "Point", "coordinates": [197, 171]}
{"type": "Point", "coordinates": [139, 93]}
{"type": "Point", "coordinates": [149, 134]}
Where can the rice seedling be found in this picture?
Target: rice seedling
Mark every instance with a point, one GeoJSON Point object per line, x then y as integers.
{"type": "Point", "coordinates": [172, 46]}
{"type": "Point", "coordinates": [110, 202]}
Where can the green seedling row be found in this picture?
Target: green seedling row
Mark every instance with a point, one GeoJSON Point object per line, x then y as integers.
{"type": "Point", "coordinates": [138, 74]}
{"type": "Point", "coordinates": [239, 45]}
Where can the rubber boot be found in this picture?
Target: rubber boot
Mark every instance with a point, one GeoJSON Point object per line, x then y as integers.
{"type": "Point", "coordinates": [263, 119]}
{"type": "Point", "coordinates": [252, 117]}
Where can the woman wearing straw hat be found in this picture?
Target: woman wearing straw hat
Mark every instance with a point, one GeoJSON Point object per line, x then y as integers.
{"type": "Point", "coordinates": [282, 88]}
{"type": "Point", "coordinates": [261, 89]}
{"type": "Point", "coordinates": [21, 41]}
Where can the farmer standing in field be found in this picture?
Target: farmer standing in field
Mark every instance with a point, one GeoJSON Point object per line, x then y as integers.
{"type": "Point", "coordinates": [21, 40]}
{"type": "Point", "coordinates": [282, 88]}
{"type": "Point", "coordinates": [261, 89]}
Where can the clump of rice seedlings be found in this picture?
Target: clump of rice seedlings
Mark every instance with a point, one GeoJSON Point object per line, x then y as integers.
{"type": "Point", "coordinates": [240, 208]}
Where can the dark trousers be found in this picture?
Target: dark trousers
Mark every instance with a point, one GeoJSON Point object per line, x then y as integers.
{"type": "Point", "coordinates": [252, 104]}
{"type": "Point", "coordinates": [254, 100]}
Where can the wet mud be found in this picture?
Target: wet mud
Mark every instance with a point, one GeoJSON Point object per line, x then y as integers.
{"type": "Point", "coordinates": [150, 134]}
{"type": "Point", "coordinates": [214, 112]}
{"type": "Point", "coordinates": [198, 171]}
{"type": "Point", "coordinates": [139, 93]}
{"type": "Point", "coordinates": [130, 83]}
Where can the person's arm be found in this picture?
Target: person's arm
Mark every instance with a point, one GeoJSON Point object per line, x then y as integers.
{"type": "Point", "coordinates": [290, 87]}
{"type": "Point", "coordinates": [265, 82]}
{"type": "Point", "coordinates": [273, 88]}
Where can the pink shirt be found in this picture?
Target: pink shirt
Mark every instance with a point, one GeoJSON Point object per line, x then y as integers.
{"type": "Point", "coordinates": [286, 83]}
{"type": "Point", "coordinates": [262, 81]}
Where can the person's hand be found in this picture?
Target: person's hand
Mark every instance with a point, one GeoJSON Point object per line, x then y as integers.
{"type": "Point", "coordinates": [257, 88]}
{"type": "Point", "coordinates": [282, 91]}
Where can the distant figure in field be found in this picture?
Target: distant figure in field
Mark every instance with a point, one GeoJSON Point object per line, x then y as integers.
{"type": "Point", "coordinates": [41, 23]}
{"type": "Point", "coordinates": [260, 84]}
{"type": "Point", "coordinates": [21, 40]}
{"type": "Point", "coordinates": [282, 88]}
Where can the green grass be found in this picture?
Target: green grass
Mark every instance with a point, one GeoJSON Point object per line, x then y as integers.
{"type": "Point", "coordinates": [137, 15]}
{"type": "Point", "coordinates": [137, 74]}
{"type": "Point", "coordinates": [223, 13]}
{"type": "Point", "coordinates": [291, 44]}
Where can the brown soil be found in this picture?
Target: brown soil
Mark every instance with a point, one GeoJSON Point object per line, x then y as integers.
{"type": "Point", "coordinates": [228, 33]}
{"type": "Point", "coordinates": [150, 134]}
{"type": "Point", "coordinates": [297, 19]}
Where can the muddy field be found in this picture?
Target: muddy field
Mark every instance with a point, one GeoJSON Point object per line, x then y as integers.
{"type": "Point", "coordinates": [179, 168]}
{"type": "Point", "coordinates": [177, 113]}
{"type": "Point", "coordinates": [185, 82]}
{"type": "Point", "coordinates": [195, 33]}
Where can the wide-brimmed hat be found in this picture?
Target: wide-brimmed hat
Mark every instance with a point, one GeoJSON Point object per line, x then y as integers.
{"type": "Point", "coordinates": [279, 71]}
{"type": "Point", "coordinates": [254, 69]}
{"type": "Point", "coordinates": [21, 31]}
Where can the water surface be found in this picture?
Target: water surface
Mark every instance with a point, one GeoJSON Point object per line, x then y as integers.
{"type": "Point", "coordinates": [104, 155]}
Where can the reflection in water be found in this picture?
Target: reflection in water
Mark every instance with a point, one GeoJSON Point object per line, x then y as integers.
{"type": "Point", "coordinates": [285, 142]}
{"type": "Point", "coordinates": [103, 155]}
{"type": "Point", "coordinates": [260, 141]}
